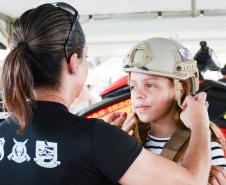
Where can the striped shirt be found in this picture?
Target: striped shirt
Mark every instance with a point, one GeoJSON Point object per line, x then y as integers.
{"type": "Point", "coordinates": [156, 145]}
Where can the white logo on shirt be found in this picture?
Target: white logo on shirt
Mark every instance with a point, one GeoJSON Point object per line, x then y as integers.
{"type": "Point", "coordinates": [19, 152]}
{"type": "Point", "coordinates": [2, 142]}
{"type": "Point", "coordinates": [46, 154]}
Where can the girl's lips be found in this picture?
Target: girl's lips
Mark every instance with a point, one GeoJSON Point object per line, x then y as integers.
{"type": "Point", "coordinates": [142, 108]}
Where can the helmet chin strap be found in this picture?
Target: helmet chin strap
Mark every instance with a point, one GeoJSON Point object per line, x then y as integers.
{"type": "Point", "coordinates": [178, 89]}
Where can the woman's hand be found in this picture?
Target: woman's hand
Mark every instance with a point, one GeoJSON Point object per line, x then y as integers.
{"type": "Point", "coordinates": [195, 112]}
{"type": "Point", "coordinates": [117, 118]}
{"type": "Point", "coordinates": [217, 176]}
{"type": "Point", "coordinates": [121, 120]}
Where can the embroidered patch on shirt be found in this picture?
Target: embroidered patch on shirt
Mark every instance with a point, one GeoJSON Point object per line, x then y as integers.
{"type": "Point", "coordinates": [19, 152]}
{"type": "Point", "coordinates": [2, 142]}
{"type": "Point", "coordinates": [46, 154]}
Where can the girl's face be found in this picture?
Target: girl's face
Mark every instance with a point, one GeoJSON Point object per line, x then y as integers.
{"type": "Point", "coordinates": [152, 96]}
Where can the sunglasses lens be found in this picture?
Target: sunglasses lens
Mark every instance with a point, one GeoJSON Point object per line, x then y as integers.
{"type": "Point", "coordinates": [67, 8]}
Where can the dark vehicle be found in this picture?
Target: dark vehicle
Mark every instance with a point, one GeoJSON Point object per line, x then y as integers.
{"type": "Point", "coordinates": [117, 98]}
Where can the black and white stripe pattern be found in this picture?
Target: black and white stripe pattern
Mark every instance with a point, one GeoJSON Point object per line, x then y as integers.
{"type": "Point", "coordinates": [217, 155]}
{"type": "Point", "coordinates": [156, 145]}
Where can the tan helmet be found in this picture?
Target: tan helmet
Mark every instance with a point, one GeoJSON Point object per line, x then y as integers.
{"type": "Point", "coordinates": [163, 57]}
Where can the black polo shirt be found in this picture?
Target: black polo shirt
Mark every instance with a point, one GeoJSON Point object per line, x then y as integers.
{"type": "Point", "coordinates": [61, 148]}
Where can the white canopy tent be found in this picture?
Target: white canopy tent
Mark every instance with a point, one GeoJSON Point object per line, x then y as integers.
{"type": "Point", "coordinates": [116, 25]}
{"type": "Point", "coordinates": [113, 26]}
{"type": "Point", "coordinates": [86, 7]}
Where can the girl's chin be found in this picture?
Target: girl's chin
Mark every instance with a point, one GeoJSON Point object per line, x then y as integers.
{"type": "Point", "coordinates": [145, 120]}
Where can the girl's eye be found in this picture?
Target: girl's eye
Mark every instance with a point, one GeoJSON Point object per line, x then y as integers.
{"type": "Point", "coordinates": [131, 87]}
{"type": "Point", "coordinates": [151, 86]}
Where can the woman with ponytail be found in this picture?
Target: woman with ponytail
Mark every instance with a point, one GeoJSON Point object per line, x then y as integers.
{"type": "Point", "coordinates": [43, 143]}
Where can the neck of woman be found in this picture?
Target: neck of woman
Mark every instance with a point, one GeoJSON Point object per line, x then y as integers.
{"type": "Point", "coordinates": [45, 94]}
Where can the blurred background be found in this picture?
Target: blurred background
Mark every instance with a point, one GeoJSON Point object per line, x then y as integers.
{"type": "Point", "coordinates": [112, 27]}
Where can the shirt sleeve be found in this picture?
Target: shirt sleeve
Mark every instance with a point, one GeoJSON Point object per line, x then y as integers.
{"type": "Point", "coordinates": [217, 153]}
{"type": "Point", "coordinates": [113, 150]}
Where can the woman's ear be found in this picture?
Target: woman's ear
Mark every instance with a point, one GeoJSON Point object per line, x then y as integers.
{"type": "Point", "coordinates": [73, 63]}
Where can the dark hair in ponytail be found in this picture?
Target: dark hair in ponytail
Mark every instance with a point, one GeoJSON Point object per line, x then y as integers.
{"type": "Point", "coordinates": [39, 37]}
{"type": "Point", "coordinates": [18, 86]}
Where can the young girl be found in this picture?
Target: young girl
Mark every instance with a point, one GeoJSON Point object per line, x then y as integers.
{"type": "Point", "coordinates": [162, 73]}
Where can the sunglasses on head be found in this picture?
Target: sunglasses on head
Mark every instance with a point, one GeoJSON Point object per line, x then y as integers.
{"type": "Point", "coordinates": [74, 12]}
